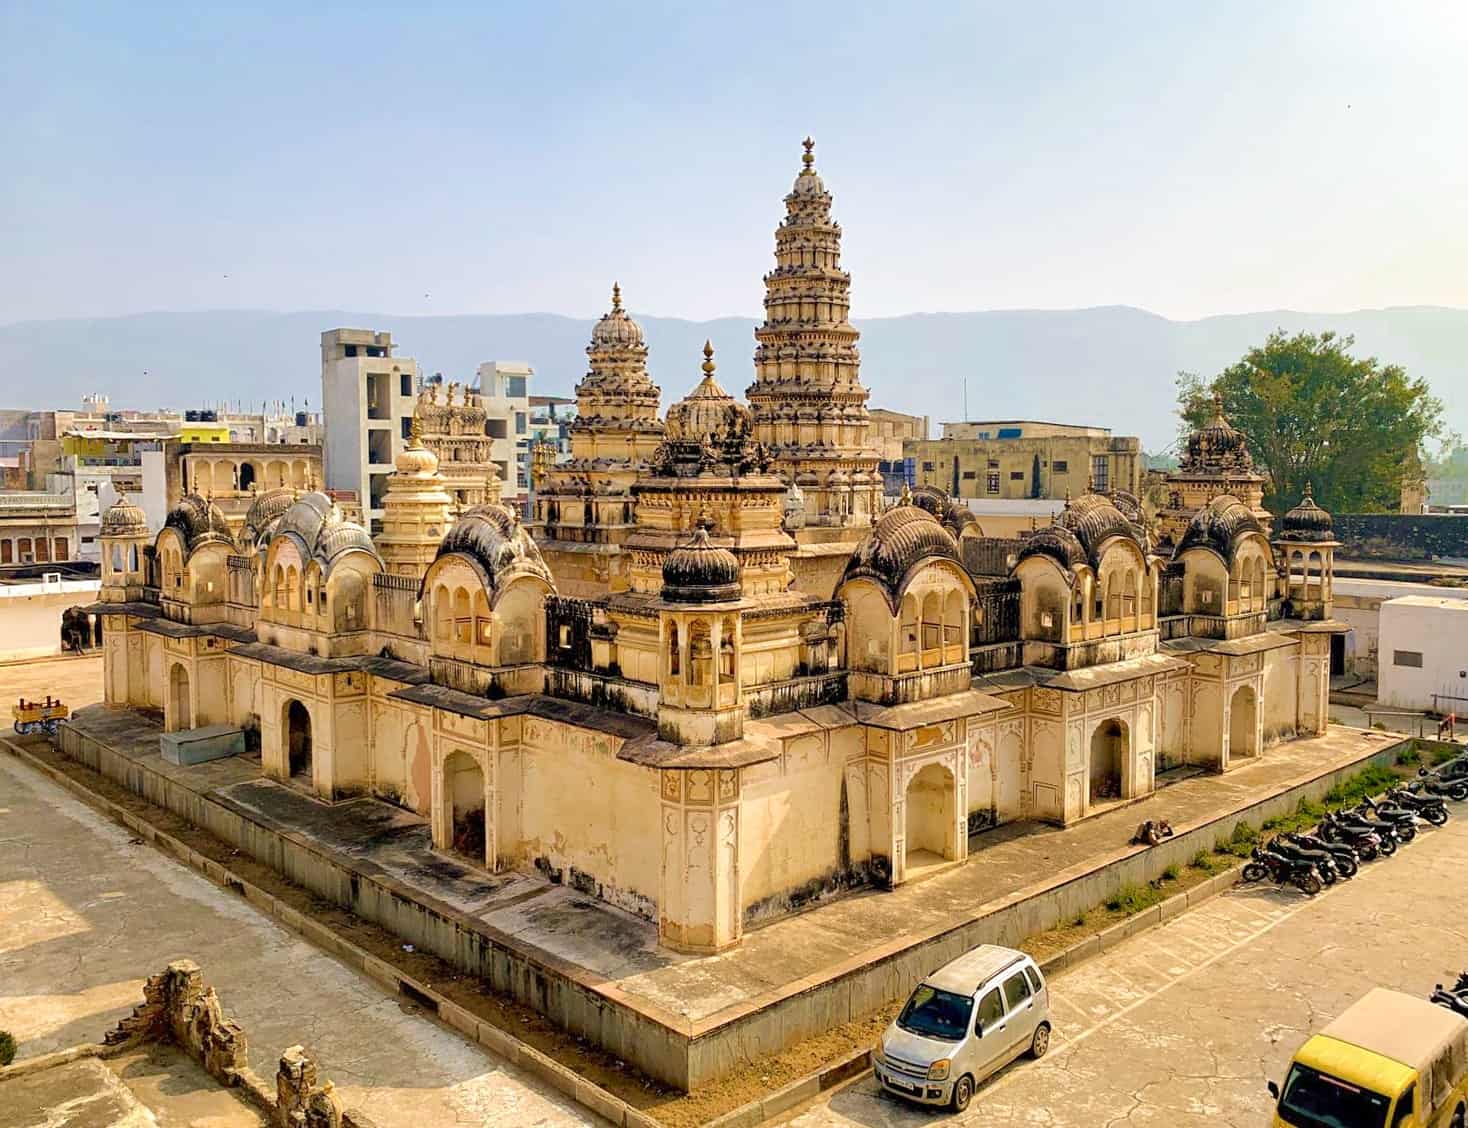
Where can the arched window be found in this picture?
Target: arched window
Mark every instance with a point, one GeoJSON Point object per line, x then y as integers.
{"type": "Point", "coordinates": [908, 631]}
{"type": "Point", "coordinates": [953, 616]}
{"type": "Point", "coordinates": [463, 622]}
{"type": "Point", "coordinates": [292, 588]}
{"type": "Point", "coordinates": [932, 621]}
{"type": "Point", "coordinates": [1146, 581]}
{"type": "Point", "coordinates": [1129, 595]}
{"type": "Point", "coordinates": [133, 558]}
{"type": "Point", "coordinates": [443, 614]}
{"type": "Point", "coordinates": [1098, 603]}
{"type": "Point", "coordinates": [1314, 570]}
{"type": "Point", "coordinates": [1261, 592]}
{"type": "Point", "coordinates": [1078, 603]}
{"type": "Point", "coordinates": [700, 654]}
{"type": "Point", "coordinates": [726, 651]}
{"type": "Point", "coordinates": [1113, 598]}
{"type": "Point", "coordinates": [116, 564]}
{"type": "Point", "coordinates": [674, 658]}
{"type": "Point", "coordinates": [482, 621]}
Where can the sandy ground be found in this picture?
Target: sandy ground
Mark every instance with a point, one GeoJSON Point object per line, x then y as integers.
{"type": "Point", "coordinates": [86, 914]}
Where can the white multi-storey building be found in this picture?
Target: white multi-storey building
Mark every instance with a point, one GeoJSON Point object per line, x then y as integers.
{"type": "Point", "coordinates": [368, 397]}
{"type": "Point", "coordinates": [504, 390]}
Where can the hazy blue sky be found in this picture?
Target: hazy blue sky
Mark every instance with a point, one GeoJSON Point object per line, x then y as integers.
{"type": "Point", "coordinates": [415, 158]}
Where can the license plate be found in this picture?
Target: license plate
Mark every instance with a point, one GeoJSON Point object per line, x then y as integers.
{"type": "Point", "coordinates": [894, 1083]}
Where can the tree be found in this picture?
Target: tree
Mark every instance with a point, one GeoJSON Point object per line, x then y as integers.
{"type": "Point", "coordinates": [1316, 415]}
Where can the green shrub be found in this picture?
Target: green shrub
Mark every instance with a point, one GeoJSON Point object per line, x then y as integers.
{"type": "Point", "coordinates": [1082, 919]}
{"type": "Point", "coordinates": [1443, 755]}
{"type": "Point", "coordinates": [7, 1047]}
{"type": "Point", "coordinates": [1130, 899]}
{"type": "Point", "coordinates": [1409, 756]}
{"type": "Point", "coordinates": [1170, 873]}
{"type": "Point", "coordinates": [1206, 862]}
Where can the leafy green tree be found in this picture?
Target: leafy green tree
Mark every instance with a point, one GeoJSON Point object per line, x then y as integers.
{"type": "Point", "coordinates": [1315, 414]}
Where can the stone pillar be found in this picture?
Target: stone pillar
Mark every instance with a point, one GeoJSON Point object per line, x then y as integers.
{"type": "Point", "coordinates": [699, 907]}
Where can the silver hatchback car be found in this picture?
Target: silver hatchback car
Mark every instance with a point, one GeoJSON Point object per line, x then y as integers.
{"type": "Point", "coordinates": [963, 1023]}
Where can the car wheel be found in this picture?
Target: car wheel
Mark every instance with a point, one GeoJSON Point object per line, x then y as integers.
{"type": "Point", "coordinates": [1040, 1043]}
{"type": "Point", "coordinates": [963, 1092]}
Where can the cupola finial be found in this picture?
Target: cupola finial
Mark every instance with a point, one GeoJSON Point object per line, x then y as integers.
{"type": "Point", "coordinates": [808, 158]}
{"type": "Point", "coordinates": [708, 365]}
{"type": "Point", "coordinates": [616, 297]}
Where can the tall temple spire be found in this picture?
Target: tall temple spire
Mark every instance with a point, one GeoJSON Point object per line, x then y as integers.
{"type": "Point", "coordinates": [613, 437]}
{"type": "Point", "coordinates": [808, 400]}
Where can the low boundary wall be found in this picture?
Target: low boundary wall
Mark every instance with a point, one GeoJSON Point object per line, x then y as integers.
{"type": "Point", "coordinates": [676, 1051]}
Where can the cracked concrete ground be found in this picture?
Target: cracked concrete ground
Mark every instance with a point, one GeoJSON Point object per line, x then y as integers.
{"type": "Point", "coordinates": [1182, 1025]}
{"type": "Point", "coordinates": [86, 914]}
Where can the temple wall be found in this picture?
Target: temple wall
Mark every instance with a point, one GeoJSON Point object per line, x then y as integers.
{"type": "Point", "coordinates": [402, 757]}
{"type": "Point", "coordinates": [818, 575]}
{"type": "Point", "coordinates": [583, 816]}
{"type": "Point", "coordinates": [795, 841]}
{"type": "Point", "coordinates": [1281, 694]}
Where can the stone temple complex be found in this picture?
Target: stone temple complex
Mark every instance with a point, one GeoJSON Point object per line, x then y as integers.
{"type": "Point", "coordinates": [719, 677]}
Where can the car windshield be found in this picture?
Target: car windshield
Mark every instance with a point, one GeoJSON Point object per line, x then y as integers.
{"type": "Point", "coordinates": [1312, 1099]}
{"type": "Point", "coordinates": [936, 1014]}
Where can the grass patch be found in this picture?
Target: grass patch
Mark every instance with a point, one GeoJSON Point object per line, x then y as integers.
{"type": "Point", "coordinates": [1207, 863]}
{"type": "Point", "coordinates": [1409, 757]}
{"type": "Point", "coordinates": [1241, 842]}
{"type": "Point", "coordinates": [1170, 873]}
{"type": "Point", "coordinates": [1132, 899]}
{"type": "Point", "coordinates": [1443, 755]}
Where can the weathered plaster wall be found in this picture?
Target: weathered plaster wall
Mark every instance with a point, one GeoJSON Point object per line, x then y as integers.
{"type": "Point", "coordinates": [791, 823]}
{"type": "Point", "coordinates": [583, 812]}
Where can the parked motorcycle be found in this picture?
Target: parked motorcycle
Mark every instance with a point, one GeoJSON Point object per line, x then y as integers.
{"type": "Point", "coordinates": [1431, 807]}
{"type": "Point", "coordinates": [1322, 860]}
{"type": "Point", "coordinates": [1452, 1000]}
{"type": "Point", "coordinates": [1403, 822]}
{"type": "Point", "coordinates": [1347, 860]}
{"type": "Point", "coordinates": [1456, 768]}
{"type": "Point", "coordinates": [1434, 784]}
{"type": "Point", "coordinates": [1281, 870]}
{"type": "Point", "coordinates": [1370, 842]}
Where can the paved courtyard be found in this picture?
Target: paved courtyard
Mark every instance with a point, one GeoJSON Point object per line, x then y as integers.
{"type": "Point", "coordinates": [1183, 1024]}
{"type": "Point", "coordinates": [86, 914]}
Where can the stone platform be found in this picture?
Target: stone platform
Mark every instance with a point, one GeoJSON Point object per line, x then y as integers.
{"type": "Point", "coordinates": [688, 1019]}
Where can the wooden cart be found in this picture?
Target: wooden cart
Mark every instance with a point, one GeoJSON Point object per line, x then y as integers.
{"type": "Point", "coordinates": [39, 716]}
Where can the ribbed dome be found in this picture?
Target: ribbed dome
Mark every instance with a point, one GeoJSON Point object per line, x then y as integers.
{"type": "Point", "coordinates": [1217, 446]}
{"type": "Point", "coordinates": [1219, 526]}
{"type": "Point", "coordinates": [264, 512]}
{"type": "Point", "coordinates": [700, 572]}
{"type": "Point", "coordinates": [953, 515]}
{"type": "Point", "coordinates": [616, 329]}
{"type": "Point", "coordinates": [902, 538]}
{"type": "Point", "coordinates": [199, 521]}
{"type": "Point", "coordinates": [124, 519]}
{"type": "Point", "coordinates": [490, 536]}
{"type": "Point", "coordinates": [1056, 542]}
{"type": "Point", "coordinates": [1095, 519]}
{"type": "Point", "coordinates": [706, 411]}
{"type": "Point", "coordinates": [323, 533]}
{"type": "Point", "coordinates": [1306, 522]}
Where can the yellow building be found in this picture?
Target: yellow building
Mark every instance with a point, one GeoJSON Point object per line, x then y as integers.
{"type": "Point", "coordinates": [1021, 458]}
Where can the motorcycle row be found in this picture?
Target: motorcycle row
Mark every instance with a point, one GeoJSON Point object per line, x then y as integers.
{"type": "Point", "coordinates": [1372, 829]}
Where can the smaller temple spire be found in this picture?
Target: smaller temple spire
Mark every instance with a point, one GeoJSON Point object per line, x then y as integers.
{"type": "Point", "coordinates": [616, 297]}
{"type": "Point", "coordinates": [1309, 493]}
{"type": "Point", "coordinates": [415, 432]}
{"type": "Point", "coordinates": [808, 158]}
{"type": "Point", "coordinates": [1217, 404]}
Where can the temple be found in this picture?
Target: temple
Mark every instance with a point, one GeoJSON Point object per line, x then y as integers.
{"type": "Point", "coordinates": [720, 677]}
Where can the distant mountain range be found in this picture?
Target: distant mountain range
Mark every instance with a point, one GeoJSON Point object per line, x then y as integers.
{"type": "Point", "coordinates": [1110, 366]}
